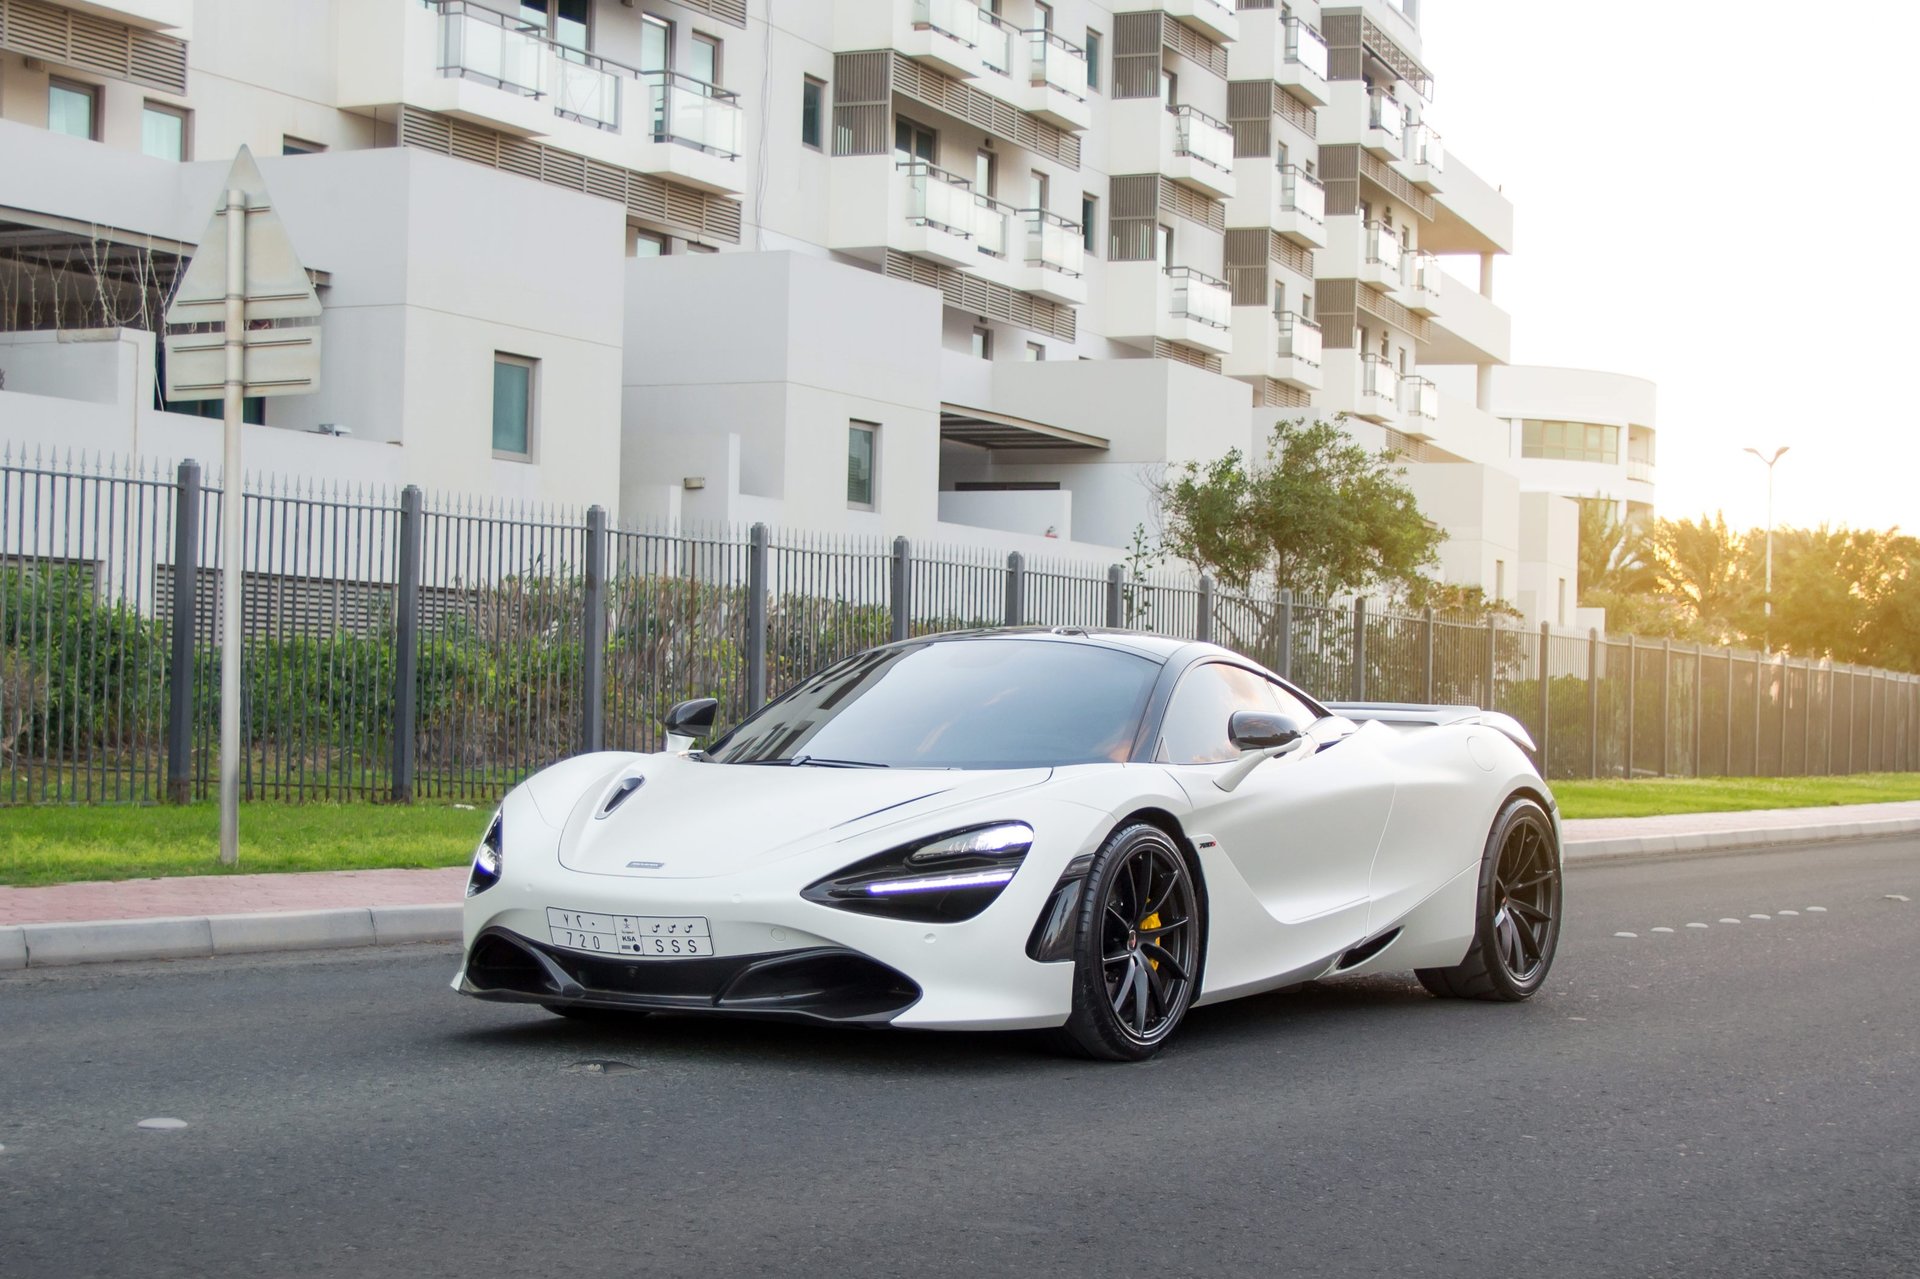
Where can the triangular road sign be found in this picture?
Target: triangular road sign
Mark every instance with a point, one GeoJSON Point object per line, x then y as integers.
{"type": "Point", "coordinates": [278, 287]}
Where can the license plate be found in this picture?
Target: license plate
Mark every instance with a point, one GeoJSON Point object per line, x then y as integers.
{"type": "Point", "coordinates": [644, 936]}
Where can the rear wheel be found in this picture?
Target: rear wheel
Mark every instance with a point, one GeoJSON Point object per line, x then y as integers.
{"type": "Point", "coordinates": [1517, 921]}
{"type": "Point", "coordinates": [1136, 949]}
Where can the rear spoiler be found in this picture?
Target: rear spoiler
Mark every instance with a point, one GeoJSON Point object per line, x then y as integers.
{"type": "Point", "coordinates": [1416, 714]}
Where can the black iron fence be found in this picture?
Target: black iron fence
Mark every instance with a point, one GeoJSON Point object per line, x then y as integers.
{"type": "Point", "coordinates": [400, 646]}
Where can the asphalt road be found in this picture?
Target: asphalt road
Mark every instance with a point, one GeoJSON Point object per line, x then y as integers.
{"type": "Point", "coordinates": [1742, 1099]}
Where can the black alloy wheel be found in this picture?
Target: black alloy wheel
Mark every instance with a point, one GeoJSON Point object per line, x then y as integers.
{"type": "Point", "coordinates": [1518, 919]}
{"type": "Point", "coordinates": [1137, 948]}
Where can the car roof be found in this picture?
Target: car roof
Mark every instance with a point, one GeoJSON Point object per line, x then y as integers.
{"type": "Point", "coordinates": [1159, 648]}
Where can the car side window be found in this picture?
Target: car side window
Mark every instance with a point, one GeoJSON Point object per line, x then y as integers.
{"type": "Point", "coordinates": [1194, 730]}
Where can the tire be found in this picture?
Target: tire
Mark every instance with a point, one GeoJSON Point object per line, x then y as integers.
{"type": "Point", "coordinates": [1136, 949]}
{"type": "Point", "coordinates": [1516, 916]}
{"type": "Point", "coordinates": [590, 1013]}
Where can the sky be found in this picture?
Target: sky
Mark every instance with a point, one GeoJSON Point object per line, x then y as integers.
{"type": "Point", "coordinates": [1714, 196]}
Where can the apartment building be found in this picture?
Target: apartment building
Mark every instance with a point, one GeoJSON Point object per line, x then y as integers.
{"type": "Point", "coordinates": [973, 270]}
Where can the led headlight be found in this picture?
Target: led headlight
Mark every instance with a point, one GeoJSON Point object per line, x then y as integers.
{"type": "Point", "coordinates": [487, 859]}
{"type": "Point", "coordinates": [945, 879]}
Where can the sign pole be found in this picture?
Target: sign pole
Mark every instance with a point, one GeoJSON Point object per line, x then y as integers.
{"type": "Point", "coordinates": [232, 518]}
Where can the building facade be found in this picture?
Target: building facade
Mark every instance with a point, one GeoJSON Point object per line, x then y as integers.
{"type": "Point", "coordinates": [944, 268]}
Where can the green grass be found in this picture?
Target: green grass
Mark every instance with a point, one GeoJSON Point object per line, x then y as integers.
{"type": "Point", "coordinates": [1649, 797]}
{"type": "Point", "coordinates": [57, 845]}
{"type": "Point", "coordinates": [54, 845]}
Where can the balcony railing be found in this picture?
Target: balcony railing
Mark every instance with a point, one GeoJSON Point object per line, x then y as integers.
{"type": "Point", "coordinates": [1379, 381]}
{"type": "Point", "coordinates": [1306, 47]}
{"type": "Point", "coordinates": [692, 112]}
{"type": "Point", "coordinates": [1054, 243]}
{"type": "Point", "coordinates": [996, 43]}
{"type": "Point", "coordinates": [1423, 147]}
{"type": "Point", "coordinates": [1057, 63]}
{"type": "Point", "coordinates": [959, 19]}
{"type": "Point", "coordinates": [1300, 193]}
{"type": "Point", "coordinates": [1640, 468]}
{"type": "Point", "coordinates": [1199, 296]}
{"type": "Point", "coordinates": [1420, 398]}
{"type": "Point", "coordinates": [1420, 271]}
{"type": "Point", "coordinates": [1197, 134]}
{"type": "Point", "coordinates": [1299, 338]}
{"type": "Point", "coordinates": [1386, 115]}
{"type": "Point", "coordinates": [940, 199]}
{"type": "Point", "coordinates": [1383, 246]}
{"type": "Point", "coordinates": [990, 224]}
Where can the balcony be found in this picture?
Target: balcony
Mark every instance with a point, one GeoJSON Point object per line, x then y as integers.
{"type": "Point", "coordinates": [1385, 134]}
{"type": "Point", "coordinates": [1055, 257]}
{"type": "Point", "coordinates": [1201, 151]}
{"type": "Point", "coordinates": [998, 40]}
{"type": "Point", "coordinates": [1055, 88]}
{"type": "Point", "coordinates": [1300, 208]}
{"type": "Point", "coordinates": [1419, 287]}
{"type": "Point", "coordinates": [1302, 68]}
{"type": "Point", "coordinates": [948, 35]}
{"type": "Point", "coordinates": [1381, 256]}
{"type": "Point", "coordinates": [1424, 157]}
{"type": "Point", "coordinates": [1419, 401]}
{"type": "Point", "coordinates": [1180, 304]}
{"type": "Point", "coordinates": [1641, 469]}
{"type": "Point", "coordinates": [1285, 347]}
{"type": "Point", "coordinates": [913, 207]}
{"type": "Point", "coordinates": [474, 63]}
{"type": "Point", "coordinates": [1379, 391]}
{"type": "Point", "coordinates": [1214, 19]}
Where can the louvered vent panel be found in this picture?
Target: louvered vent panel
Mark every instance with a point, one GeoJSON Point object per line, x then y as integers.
{"type": "Point", "coordinates": [1195, 207]}
{"type": "Point", "coordinates": [1290, 255]}
{"type": "Point", "coordinates": [733, 11]}
{"type": "Point", "coordinates": [1295, 112]}
{"type": "Point", "coordinates": [944, 93]}
{"type": "Point", "coordinates": [1190, 44]}
{"type": "Point", "coordinates": [1381, 307]}
{"type": "Point", "coordinates": [88, 43]}
{"type": "Point", "coordinates": [1184, 354]}
{"type": "Point", "coordinates": [967, 292]}
{"type": "Point", "coordinates": [1281, 395]}
{"type": "Point", "coordinates": [1376, 171]}
{"type": "Point", "coordinates": [1245, 260]}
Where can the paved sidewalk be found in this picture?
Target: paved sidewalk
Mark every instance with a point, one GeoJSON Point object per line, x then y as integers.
{"type": "Point", "coordinates": [197, 916]}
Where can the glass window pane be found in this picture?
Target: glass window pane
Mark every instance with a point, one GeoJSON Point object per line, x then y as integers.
{"type": "Point", "coordinates": [655, 37]}
{"type": "Point", "coordinates": [1093, 60]}
{"type": "Point", "coordinates": [69, 111]}
{"type": "Point", "coordinates": [163, 134]}
{"type": "Point", "coordinates": [512, 388]}
{"type": "Point", "coordinates": [812, 95]}
{"type": "Point", "coordinates": [706, 59]}
{"type": "Point", "coordinates": [860, 465]}
{"type": "Point", "coordinates": [1195, 728]}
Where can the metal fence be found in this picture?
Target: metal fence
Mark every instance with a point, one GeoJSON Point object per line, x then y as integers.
{"type": "Point", "coordinates": [399, 646]}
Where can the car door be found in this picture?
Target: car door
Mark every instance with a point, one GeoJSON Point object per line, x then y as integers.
{"type": "Point", "coordinates": [1299, 833]}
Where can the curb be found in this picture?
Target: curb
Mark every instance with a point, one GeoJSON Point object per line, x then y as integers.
{"type": "Point", "coordinates": [206, 936]}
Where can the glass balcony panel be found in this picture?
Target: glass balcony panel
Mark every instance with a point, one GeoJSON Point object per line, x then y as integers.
{"type": "Point", "coordinates": [996, 43]}
{"type": "Point", "coordinates": [1386, 115]}
{"type": "Point", "coordinates": [586, 91]}
{"type": "Point", "coordinates": [1423, 147]}
{"type": "Point", "coordinates": [1383, 245]}
{"type": "Point", "coordinates": [1057, 63]}
{"type": "Point", "coordinates": [1299, 338]}
{"type": "Point", "coordinates": [1378, 378]}
{"type": "Point", "coordinates": [693, 112]}
{"type": "Point", "coordinates": [1305, 46]}
{"type": "Point", "coordinates": [1299, 193]}
{"type": "Point", "coordinates": [1054, 243]}
{"type": "Point", "coordinates": [484, 45]}
{"type": "Point", "coordinates": [1204, 138]}
{"type": "Point", "coordinates": [1419, 398]}
{"type": "Point", "coordinates": [957, 18]}
{"type": "Point", "coordinates": [939, 198]}
{"type": "Point", "coordinates": [990, 225]}
{"type": "Point", "coordinates": [1197, 296]}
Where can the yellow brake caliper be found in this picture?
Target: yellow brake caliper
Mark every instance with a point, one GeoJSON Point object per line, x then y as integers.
{"type": "Point", "coordinates": [1150, 924]}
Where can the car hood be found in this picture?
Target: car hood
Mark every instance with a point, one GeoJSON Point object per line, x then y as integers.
{"type": "Point", "coordinates": [693, 820]}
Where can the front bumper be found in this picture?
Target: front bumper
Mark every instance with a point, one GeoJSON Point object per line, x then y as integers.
{"type": "Point", "coordinates": [819, 983]}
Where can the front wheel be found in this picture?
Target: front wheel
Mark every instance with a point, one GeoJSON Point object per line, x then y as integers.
{"type": "Point", "coordinates": [1517, 917]}
{"type": "Point", "coordinates": [1136, 952]}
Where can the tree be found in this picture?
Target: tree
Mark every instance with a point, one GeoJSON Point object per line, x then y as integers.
{"type": "Point", "coordinates": [1700, 565]}
{"type": "Point", "coordinates": [1318, 514]}
{"type": "Point", "coordinates": [1613, 553]}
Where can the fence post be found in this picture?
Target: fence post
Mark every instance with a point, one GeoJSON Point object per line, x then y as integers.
{"type": "Point", "coordinates": [1016, 614]}
{"type": "Point", "coordinates": [1759, 672]}
{"type": "Point", "coordinates": [1831, 691]}
{"type": "Point", "coordinates": [899, 584]}
{"type": "Point", "coordinates": [1203, 621]}
{"type": "Point", "coordinates": [1493, 662]}
{"type": "Point", "coordinates": [1853, 713]}
{"type": "Point", "coordinates": [1666, 705]}
{"type": "Point", "coordinates": [1785, 701]}
{"type": "Point", "coordinates": [1873, 753]}
{"type": "Point", "coordinates": [1116, 605]}
{"type": "Point", "coordinates": [1593, 702]}
{"type": "Point", "coordinates": [1726, 760]}
{"type": "Point", "coordinates": [1284, 667]}
{"type": "Point", "coordinates": [1358, 677]}
{"type": "Point", "coordinates": [406, 662]}
{"type": "Point", "coordinates": [593, 636]}
{"type": "Point", "coordinates": [1699, 703]}
{"type": "Point", "coordinates": [1426, 655]}
{"type": "Point", "coordinates": [186, 578]}
{"type": "Point", "coordinates": [757, 588]}
{"type": "Point", "coordinates": [1633, 662]}
{"type": "Point", "coordinates": [1546, 674]}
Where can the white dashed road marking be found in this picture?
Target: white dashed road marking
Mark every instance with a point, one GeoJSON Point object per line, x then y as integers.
{"type": "Point", "coordinates": [1816, 910]}
{"type": "Point", "coordinates": [1660, 930]}
{"type": "Point", "coordinates": [1696, 925]}
{"type": "Point", "coordinates": [1728, 919]}
{"type": "Point", "coordinates": [1626, 934]}
{"type": "Point", "coordinates": [1759, 916]}
{"type": "Point", "coordinates": [1898, 897]}
{"type": "Point", "coordinates": [162, 1125]}
{"type": "Point", "coordinates": [1788, 912]}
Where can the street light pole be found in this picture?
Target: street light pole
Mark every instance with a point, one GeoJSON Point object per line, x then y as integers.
{"type": "Point", "coordinates": [1766, 641]}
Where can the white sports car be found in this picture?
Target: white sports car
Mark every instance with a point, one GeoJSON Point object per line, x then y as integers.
{"type": "Point", "coordinates": [1092, 831]}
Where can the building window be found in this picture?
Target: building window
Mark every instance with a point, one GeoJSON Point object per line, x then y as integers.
{"type": "Point", "coordinates": [645, 244]}
{"type": "Point", "coordinates": [564, 21]}
{"type": "Point", "coordinates": [860, 442]}
{"type": "Point", "coordinates": [986, 173]}
{"type": "Point", "coordinates": [73, 109]}
{"type": "Point", "coordinates": [913, 141]}
{"type": "Point", "coordinates": [513, 406]}
{"type": "Point", "coordinates": [1569, 441]}
{"type": "Point", "coordinates": [706, 58]}
{"type": "Point", "coordinates": [813, 104]}
{"type": "Point", "coordinates": [1306, 306]}
{"type": "Point", "coordinates": [1035, 352]}
{"type": "Point", "coordinates": [1094, 41]}
{"type": "Point", "coordinates": [290, 145]}
{"type": "Point", "coordinates": [1499, 579]}
{"type": "Point", "coordinates": [982, 343]}
{"type": "Point", "coordinates": [656, 43]}
{"type": "Point", "coordinates": [1089, 214]}
{"type": "Point", "coordinates": [163, 132]}
{"type": "Point", "coordinates": [1163, 245]}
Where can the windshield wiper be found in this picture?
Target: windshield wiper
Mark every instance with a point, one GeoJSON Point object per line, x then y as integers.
{"type": "Point", "coordinates": [821, 762]}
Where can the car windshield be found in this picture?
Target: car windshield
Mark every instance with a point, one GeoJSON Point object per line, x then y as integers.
{"type": "Point", "coordinates": [985, 703]}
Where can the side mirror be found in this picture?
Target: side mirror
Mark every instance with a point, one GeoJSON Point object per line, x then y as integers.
{"type": "Point", "coordinates": [691, 719]}
{"type": "Point", "coordinates": [1263, 730]}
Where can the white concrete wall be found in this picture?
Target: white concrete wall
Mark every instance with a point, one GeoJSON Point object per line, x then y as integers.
{"type": "Point", "coordinates": [1550, 559]}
